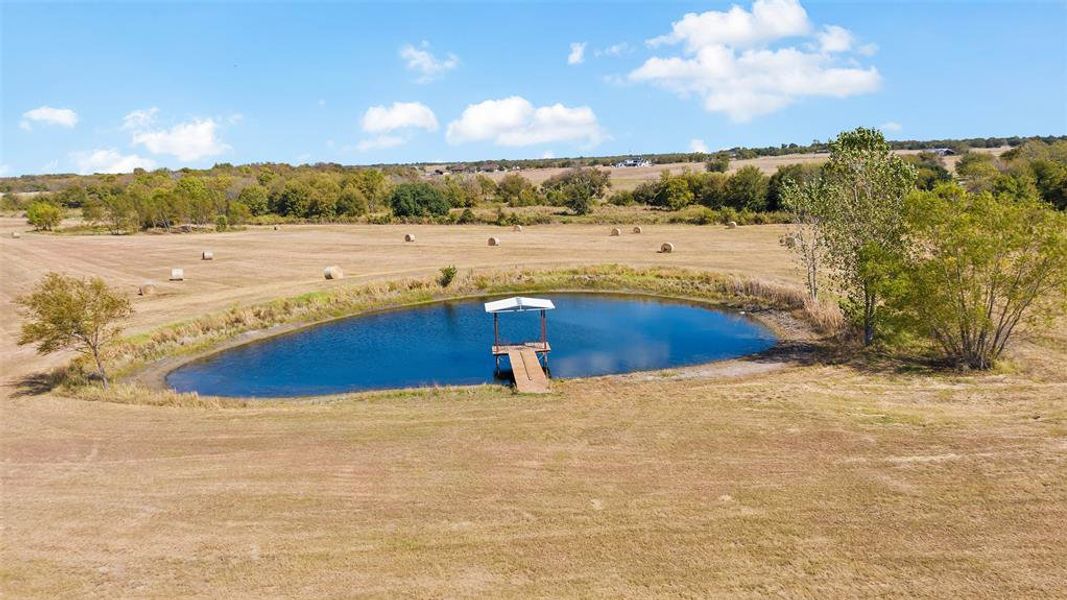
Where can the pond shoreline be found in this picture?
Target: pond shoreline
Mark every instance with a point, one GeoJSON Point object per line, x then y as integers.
{"type": "Point", "coordinates": [785, 326]}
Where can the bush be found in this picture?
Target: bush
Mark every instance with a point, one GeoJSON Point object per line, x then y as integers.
{"type": "Point", "coordinates": [222, 223]}
{"type": "Point", "coordinates": [44, 216]}
{"type": "Point", "coordinates": [980, 266]}
{"type": "Point", "coordinates": [622, 198]}
{"type": "Point", "coordinates": [466, 217]}
{"type": "Point", "coordinates": [447, 275]}
{"type": "Point", "coordinates": [719, 163]}
{"type": "Point", "coordinates": [419, 199]}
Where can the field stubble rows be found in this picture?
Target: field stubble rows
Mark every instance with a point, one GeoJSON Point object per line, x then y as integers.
{"type": "Point", "coordinates": [835, 480]}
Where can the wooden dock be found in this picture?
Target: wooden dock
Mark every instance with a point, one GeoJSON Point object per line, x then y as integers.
{"type": "Point", "coordinates": [529, 376]}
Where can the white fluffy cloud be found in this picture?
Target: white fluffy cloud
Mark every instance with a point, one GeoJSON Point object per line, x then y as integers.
{"type": "Point", "coordinates": [395, 124]}
{"type": "Point", "coordinates": [729, 62]}
{"type": "Point", "coordinates": [835, 39]}
{"type": "Point", "coordinates": [890, 126]}
{"type": "Point", "coordinates": [422, 62]}
{"type": "Point", "coordinates": [109, 160]}
{"type": "Point", "coordinates": [514, 121]}
{"type": "Point", "coordinates": [190, 140]}
{"type": "Point", "coordinates": [697, 145]}
{"type": "Point", "coordinates": [64, 117]}
{"type": "Point", "coordinates": [577, 54]}
{"type": "Point", "coordinates": [399, 115]}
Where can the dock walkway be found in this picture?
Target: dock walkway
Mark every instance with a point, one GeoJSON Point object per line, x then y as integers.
{"type": "Point", "coordinates": [529, 377]}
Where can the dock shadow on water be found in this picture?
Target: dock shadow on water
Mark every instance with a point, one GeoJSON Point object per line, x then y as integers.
{"type": "Point", "coordinates": [449, 344]}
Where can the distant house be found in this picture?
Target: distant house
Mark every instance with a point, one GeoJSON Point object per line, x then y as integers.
{"type": "Point", "coordinates": [633, 161]}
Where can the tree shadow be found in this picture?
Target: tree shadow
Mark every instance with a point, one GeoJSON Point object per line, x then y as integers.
{"type": "Point", "coordinates": [37, 384]}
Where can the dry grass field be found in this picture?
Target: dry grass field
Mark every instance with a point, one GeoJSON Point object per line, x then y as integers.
{"type": "Point", "coordinates": [800, 479]}
{"type": "Point", "coordinates": [629, 178]}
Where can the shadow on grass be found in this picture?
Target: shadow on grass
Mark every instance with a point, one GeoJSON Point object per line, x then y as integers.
{"type": "Point", "coordinates": [40, 383]}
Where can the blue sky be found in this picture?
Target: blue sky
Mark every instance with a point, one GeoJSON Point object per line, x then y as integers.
{"type": "Point", "coordinates": [108, 87]}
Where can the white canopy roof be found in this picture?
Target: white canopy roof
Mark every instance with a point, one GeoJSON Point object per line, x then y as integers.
{"type": "Point", "coordinates": [518, 304]}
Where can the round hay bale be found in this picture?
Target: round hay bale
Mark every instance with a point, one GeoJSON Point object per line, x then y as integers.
{"type": "Point", "coordinates": [666, 248]}
{"type": "Point", "coordinates": [333, 272]}
{"type": "Point", "coordinates": [177, 274]}
{"type": "Point", "coordinates": [615, 231]}
{"type": "Point", "coordinates": [409, 237]}
{"type": "Point", "coordinates": [517, 228]}
{"type": "Point", "coordinates": [731, 225]}
{"type": "Point", "coordinates": [207, 255]}
{"type": "Point", "coordinates": [147, 289]}
{"type": "Point", "coordinates": [637, 229]}
{"type": "Point", "coordinates": [494, 241]}
{"type": "Point", "coordinates": [789, 241]}
{"type": "Point", "coordinates": [16, 234]}
{"type": "Point", "coordinates": [276, 228]}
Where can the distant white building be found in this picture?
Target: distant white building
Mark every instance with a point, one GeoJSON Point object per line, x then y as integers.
{"type": "Point", "coordinates": [633, 161]}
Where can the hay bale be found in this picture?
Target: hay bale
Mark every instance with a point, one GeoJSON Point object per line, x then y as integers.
{"type": "Point", "coordinates": [637, 229]}
{"type": "Point", "coordinates": [333, 272]}
{"type": "Point", "coordinates": [147, 289]}
{"type": "Point", "coordinates": [207, 255]}
{"type": "Point", "coordinates": [276, 228]}
{"type": "Point", "coordinates": [666, 248]}
{"type": "Point", "coordinates": [789, 241]}
{"type": "Point", "coordinates": [615, 231]}
{"type": "Point", "coordinates": [409, 237]}
{"type": "Point", "coordinates": [494, 241]}
{"type": "Point", "coordinates": [16, 234]}
{"type": "Point", "coordinates": [177, 274]}
{"type": "Point", "coordinates": [731, 225]}
{"type": "Point", "coordinates": [517, 228]}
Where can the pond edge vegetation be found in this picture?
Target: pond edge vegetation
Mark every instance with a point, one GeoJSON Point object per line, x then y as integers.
{"type": "Point", "coordinates": [140, 362]}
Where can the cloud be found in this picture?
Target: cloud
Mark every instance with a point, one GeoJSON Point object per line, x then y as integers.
{"type": "Point", "coordinates": [835, 39]}
{"type": "Point", "coordinates": [577, 55]}
{"type": "Point", "coordinates": [421, 61]}
{"type": "Point", "coordinates": [109, 160]}
{"type": "Point", "coordinates": [395, 124]}
{"type": "Point", "coordinates": [140, 119]}
{"type": "Point", "coordinates": [728, 60]}
{"type": "Point", "coordinates": [697, 145]}
{"type": "Point", "coordinates": [64, 117]}
{"type": "Point", "coordinates": [891, 126]}
{"type": "Point", "coordinates": [190, 140]}
{"type": "Point", "coordinates": [399, 115]}
{"type": "Point", "coordinates": [514, 121]}
{"type": "Point", "coordinates": [614, 50]}
{"type": "Point", "coordinates": [769, 20]}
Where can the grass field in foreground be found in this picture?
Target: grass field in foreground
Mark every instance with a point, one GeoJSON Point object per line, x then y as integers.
{"type": "Point", "coordinates": [821, 480]}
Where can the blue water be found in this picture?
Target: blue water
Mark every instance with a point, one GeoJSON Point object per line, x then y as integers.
{"type": "Point", "coordinates": [448, 344]}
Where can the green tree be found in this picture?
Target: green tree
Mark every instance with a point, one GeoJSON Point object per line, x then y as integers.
{"type": "Point", "coordinates": [793, 174]}
{"type": "Point", "coordinates": [43, 215]}
{"type": "Point", "coordinates": [806, 199]}
{"type": "Point", "coordinates": [64, 312]}
{"type": "Point", "coordinates": [674, 192]}
{"type": "Point", "coordinates": [512, 187]}
{"type": "Point", "coordinates": [981, 265]}
{"type": "Point", "coordinates": [747, 189]}
{"type": "Point", "coordinates": [255, 198]}
{"type": "Point", "coordinates": [418, 199]}
{"type": "Point", "coordinates": [863, 226]}
{"type": "Point", "coordinates": [718, 163]}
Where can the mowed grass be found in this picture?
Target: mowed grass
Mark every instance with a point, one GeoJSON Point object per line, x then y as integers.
{"type": "Point", "coordinates": [809, 481]}
{"type": "Point", "coordinates": [864, 478]}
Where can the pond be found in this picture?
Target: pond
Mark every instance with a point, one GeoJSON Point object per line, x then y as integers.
{"type": "Point", "coordinates": [448, 343]}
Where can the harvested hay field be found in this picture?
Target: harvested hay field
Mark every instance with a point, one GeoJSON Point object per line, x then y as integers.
{"type": "Point", "coordinates": [790, 475]}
